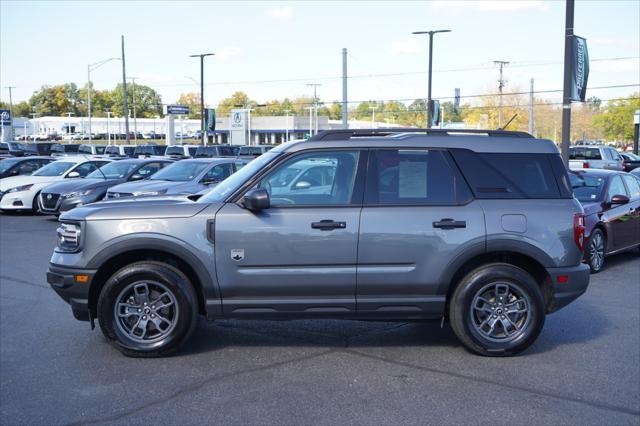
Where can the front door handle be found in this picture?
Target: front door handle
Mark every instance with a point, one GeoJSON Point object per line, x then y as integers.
{"type": "Point", "coordinates": [450, 224]}
{"type": "Point", "coordinates": [328, 225]}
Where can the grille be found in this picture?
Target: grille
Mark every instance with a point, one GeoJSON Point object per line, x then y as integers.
{"type": "Point", "coordinates": [116, 195]}
{"type": "Point", "coordinates": [49, 201]}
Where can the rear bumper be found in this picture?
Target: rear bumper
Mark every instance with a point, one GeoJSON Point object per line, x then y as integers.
{"type": "Point", "coordinates": [63, 281]}
{"type": "Point", "coordinates": [577, 281]}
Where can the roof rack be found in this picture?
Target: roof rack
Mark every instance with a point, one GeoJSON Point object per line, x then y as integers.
{"type": "Point", "coordinates": [340, 134]}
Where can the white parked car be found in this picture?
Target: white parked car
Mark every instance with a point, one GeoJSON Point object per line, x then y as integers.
{"type": "Point", "coordinates": [19, 193]}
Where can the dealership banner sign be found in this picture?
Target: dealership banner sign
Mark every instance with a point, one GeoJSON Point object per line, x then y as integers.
{"type": "Point", "coordinates": [5, 117]}
{"type": "Point", "coordinates": [580, 73]}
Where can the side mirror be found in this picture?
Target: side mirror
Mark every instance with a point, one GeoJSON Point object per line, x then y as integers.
{"type": "Point", "coordinates": [302, 185]}
{"type": "Point", "coordinates": [136, 176]}
{"type": "Point", "coordinates": [73, 175]}
{"type": "Point", "coordinates": [256, 199]}
{"type": "Point", "coordinates": [619, 199]}
{"type": "Point", "coordinates": [209, 181]}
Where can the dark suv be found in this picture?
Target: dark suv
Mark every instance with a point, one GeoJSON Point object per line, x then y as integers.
{"type": "Point", "coordinates": [479, 228]}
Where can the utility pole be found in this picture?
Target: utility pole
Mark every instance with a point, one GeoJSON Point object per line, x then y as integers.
{"type": "Point", "coordinates": [108, 129]}
{"type": "Point", "coordinates": [133, 103]}
{"type": "Point", "coordinates": [124, 90]}
{"type": "Point", "coordinates": [566, 92]}
{"type": "Point", "coordinates": [373, 115]}
{"type": "Point", "coordinates": [531, 108]}
{"type": "Point", "coordinates": [429, 106]}
{"type": "Point", "coordinates": [286, 130]}
{"type": "Point", "coordinates": [310, 119]}
{"type": "Point", "coordinates": [90, 68]}
{"type": "Point", "coordinates": [11, 110]}
{"type": "Point", "coordinates": [315, 107]}
{"type": "Point", "coordinates": [345, 101]}
{"type": "Point", "coordinates": [501, 83]}
{"type": "Point", "coordinates": [203, 136]}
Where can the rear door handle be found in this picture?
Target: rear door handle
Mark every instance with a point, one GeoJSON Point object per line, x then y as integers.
{"type": "Point", "coordinates": [328, 225]}
{"type": "Point", "coordinates": [448, 223]}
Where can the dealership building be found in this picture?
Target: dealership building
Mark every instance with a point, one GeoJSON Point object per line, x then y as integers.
{"type": "Point", "coordinates": [256, 130]}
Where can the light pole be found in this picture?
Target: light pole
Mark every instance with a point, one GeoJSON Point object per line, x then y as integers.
{"type": "Point", "coordinates": [286, 129]}
{"type": "Point", "coordinates": [108, 129]}
{"type": "Point", "coordinates": [431, 33]}
{"type": "Point", "coordinates": [373, 114]}
{"type": "Point", "coordinates": [501, 83]}
{"type": "Point", "coordinates": [34, 114]}
{"type": "Point", "coordinates": [133, 102]}
{"type": "Point", "coordinates": [11, 110]}
{"type": "Point", "coordinates": [90, 68]}
{"type": "Point", "coordinates": [203, 136]}
{"type": "Point", "coordinates": [315, 106]}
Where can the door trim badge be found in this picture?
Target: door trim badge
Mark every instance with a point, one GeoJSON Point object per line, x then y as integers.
{"type": "Point", "coordinates": [237, 254]}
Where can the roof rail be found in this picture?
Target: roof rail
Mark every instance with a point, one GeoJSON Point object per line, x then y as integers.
{"type": "Point", "coordinates": [340, 134]}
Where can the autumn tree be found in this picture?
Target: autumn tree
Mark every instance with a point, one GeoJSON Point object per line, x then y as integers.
{"type": "Point", "coordinates": [616, 121]}
{"type": "Point", "coordinates": [192, 100]}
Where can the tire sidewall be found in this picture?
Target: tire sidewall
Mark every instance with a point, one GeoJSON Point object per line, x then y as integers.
{"type": "Point", "coordinates": [478, 279]}
{"type": "Point", "coordinates": [588, 251]}
{"type": "Point", "coordinates": [174, 280]}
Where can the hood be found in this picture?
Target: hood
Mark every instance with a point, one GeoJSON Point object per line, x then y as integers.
{"type": "Point", "coordinates": [70, 185]}
{"type": "Point", "coordinates": [14, 181]}
{"type": "Point", "coordinates": [591, 208]}
{"type": "Point", "coordinates": [137, 208]}
{"type": "Point", "coordinates": [151, 185]}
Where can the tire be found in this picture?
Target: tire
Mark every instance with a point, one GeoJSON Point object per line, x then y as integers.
{"type": "Point", "coordinates": [595, 250]}
{"type": "Point", "coordinates": [526, 301]}
{"type": "Point", "coordinates": [34, 205]}
{"type": "Point", "coordinates": [144, 330]}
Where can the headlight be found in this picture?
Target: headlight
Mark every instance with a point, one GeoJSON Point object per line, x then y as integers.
{"type": "Point", "coordinates": [68, 237]}
{"type": "Point", "coordinates": [21, 188]}
{"type": "Point", "coordinates": [78, 193]}
{"type": "Point", "coordinates": [144, 193]}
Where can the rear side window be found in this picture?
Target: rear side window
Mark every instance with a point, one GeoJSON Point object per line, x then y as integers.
{"type": "Point", "coordinates": [633, 185]}
{"type": "Point", "coordinates": [413, 177]}
{"type": "Point", "coordinates": [518, 176]}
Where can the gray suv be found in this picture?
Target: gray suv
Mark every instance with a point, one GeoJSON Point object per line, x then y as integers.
{"type": "Point", "coordinates": [477, 228]}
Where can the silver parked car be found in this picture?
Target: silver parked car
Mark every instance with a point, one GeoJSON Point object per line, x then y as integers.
{"type": "Point", "coordinates": [479, 229]}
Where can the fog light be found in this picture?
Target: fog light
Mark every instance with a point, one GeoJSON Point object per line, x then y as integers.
{"type": "Point", "coordinates": [563, 279]}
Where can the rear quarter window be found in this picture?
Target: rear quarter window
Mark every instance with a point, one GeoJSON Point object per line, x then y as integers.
{"type": "Point", "coordinates": [515, 176]}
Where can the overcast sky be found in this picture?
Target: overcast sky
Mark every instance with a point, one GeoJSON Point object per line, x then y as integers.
{"type": "Point", "coordinates": [259, 45]}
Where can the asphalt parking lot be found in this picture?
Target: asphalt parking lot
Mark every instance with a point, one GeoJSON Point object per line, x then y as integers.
{"type": "Point", "coordinates": [584, 368]}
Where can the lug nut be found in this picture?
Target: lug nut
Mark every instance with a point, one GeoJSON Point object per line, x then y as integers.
{"type": "Point", "coordinates": [139, 310]}
{"type": "Point", "coordinates": [153, 316]}
{"type": "Point", "coordinates": [144, 317]}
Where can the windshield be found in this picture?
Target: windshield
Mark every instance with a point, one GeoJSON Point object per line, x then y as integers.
{"type": "Point", "coordinates": [115, 170]}
{"type": "Point", "coordinates": [57, 168]}
{"type": "Point", "coordinates": [182, 171]}
{"type": "Point", "coordinates": [586, 188]}
{"type": "Point", "coordinates": [233, 182]}
{"type": "Point", "coordinates": [8, 163]}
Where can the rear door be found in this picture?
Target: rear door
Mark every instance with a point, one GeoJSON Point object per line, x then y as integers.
{"type": "Point", "coordinates": [299, 256]}
{"type": "Point", "coordinates": [418, 216]}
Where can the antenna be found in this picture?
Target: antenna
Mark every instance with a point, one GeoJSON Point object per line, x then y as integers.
{"type": "Point", "coordinates": [509, 122]}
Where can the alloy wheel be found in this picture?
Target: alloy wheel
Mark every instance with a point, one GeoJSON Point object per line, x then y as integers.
{"type": "Point", "coordinates": [500, 312]}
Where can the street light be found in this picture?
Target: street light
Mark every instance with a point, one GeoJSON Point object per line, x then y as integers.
{"type": "Point", "coordinates": [431, 33]}
{"type": "Point", "coordinates": [90, 68]}
{"type": "Point", "coordinates": [315, 107]}
{"type": "Point", "coordinates": [201, 56]}
{"type": "Point", "coordinates": [373, 114]}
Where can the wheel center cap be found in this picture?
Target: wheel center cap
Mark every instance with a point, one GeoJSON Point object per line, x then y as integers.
{"type": "Point", "coordinates": [147, 310]}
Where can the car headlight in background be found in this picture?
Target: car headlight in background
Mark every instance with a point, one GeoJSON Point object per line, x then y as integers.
{"type": "Point", "coordinates": [20, 188]}
{"type": "Point", "coordinates": [146, 193]}
{"type": "Point", "coordinates": [78, 193]}
{"type": "Point", "coordinates": [68, 237]}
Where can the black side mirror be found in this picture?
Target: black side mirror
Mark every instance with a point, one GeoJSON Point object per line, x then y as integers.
{"type": "Point", "coordinates": [619, 199]}
{"type": "Point", "coordinates": [256, 199]}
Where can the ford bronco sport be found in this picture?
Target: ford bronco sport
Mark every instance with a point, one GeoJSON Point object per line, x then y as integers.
{"type": "Point", "coordinates": [479, 228]}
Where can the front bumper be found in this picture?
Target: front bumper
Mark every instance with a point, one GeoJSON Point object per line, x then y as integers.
{"type": "Point", "coordinates": [63, 281]}
{"type": "Point", "coordinates": [22, 200]}
{"type": "Point", "coordinates": [576, 282]}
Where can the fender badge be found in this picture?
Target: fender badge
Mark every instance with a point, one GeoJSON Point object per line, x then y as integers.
{"type": "Point", "coordinates": [237, 254]}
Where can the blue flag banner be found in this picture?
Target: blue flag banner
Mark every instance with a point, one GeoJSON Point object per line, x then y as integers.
{"type": "Point", "coordinates": [580, 73]}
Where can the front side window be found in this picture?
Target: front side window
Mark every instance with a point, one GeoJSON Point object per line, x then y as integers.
{"type": "Point", "coordinates": [115, 170]}
{"type": "Point", "coordinates": [86, 168]}
{"type": "Point", "coordinates": [149, 169]}
{"type": "Point", "coordinates": [28, 167]}
{"type": "Point", "coordinates": [633, 184]}
{"type": "Point", "coordinates": [182, 171]}
{"type": "Point", "coordinates": [317, 178]}
{"type": "Point", "coordinates": [411, 177]}
{"type": "Point", "coordinates": [616, 187]}
{"type": "Point", "coordinates": [218, 173]}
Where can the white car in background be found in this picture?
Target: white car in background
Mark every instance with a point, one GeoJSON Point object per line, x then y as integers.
{"type": "Point", "coordinates": [20, 192]}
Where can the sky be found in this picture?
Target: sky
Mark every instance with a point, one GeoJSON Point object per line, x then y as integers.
{"type": "Point", "coordinates": [271, 50]}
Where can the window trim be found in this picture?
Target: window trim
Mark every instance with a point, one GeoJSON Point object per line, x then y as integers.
{"type": "Point", "coordinates": [448, 159]}
{"type": "Point", "coordinates": [357, 198]}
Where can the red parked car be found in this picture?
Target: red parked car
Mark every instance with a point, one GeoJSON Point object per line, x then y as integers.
{"type": "Point", "coordinates": [611, 202]}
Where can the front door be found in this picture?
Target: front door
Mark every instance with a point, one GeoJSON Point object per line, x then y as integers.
{"type": "Point", "coordinates": [299, 256]}
{"type": "Point", "coordinates": [418, 216]}
{"type": "Point", "coordinates": [618, 217]}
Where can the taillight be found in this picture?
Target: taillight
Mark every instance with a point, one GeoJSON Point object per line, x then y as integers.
{"type": "Point", "coordinates": [578, 230]}
{"type": "Point", "coordinates": [585, 165]}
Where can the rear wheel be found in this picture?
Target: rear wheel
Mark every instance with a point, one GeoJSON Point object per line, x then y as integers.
{"type": "Point", "coordinates": [497, 310]}
{"type": "Point", "coordinates": [147, 309]}
{"type": "Point", "coordinates": [596, 251]}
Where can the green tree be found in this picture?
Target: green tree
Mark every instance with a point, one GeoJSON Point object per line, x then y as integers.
{"type": "Point", "coordinates": [148, 102]}
{"type": "Point", "coordinates": [192, 100]}
{"type": "Point", "coordinates": [57, 100]}
{"type": "Point", "coordinates": [617, 119]}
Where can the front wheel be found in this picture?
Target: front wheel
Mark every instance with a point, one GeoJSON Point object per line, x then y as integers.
{"type": "Point", "coordinates": [497, 310]}
{"type": "Point", "coordinates": [147, 309]}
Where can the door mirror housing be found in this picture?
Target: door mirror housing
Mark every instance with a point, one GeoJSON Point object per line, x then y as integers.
{"type": "Point", "coordinates": [209, 181]}
{"type": "Point", "coordinates": [73, 175]}
{"type": "Point", "coordinates": [619, 199]}
{"type": "Point", "coordinates": [136, 176]}
{"type": "Point", "coordinates": [301, 184]}
{"type": "Point", "coordinates": [256, 199]}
